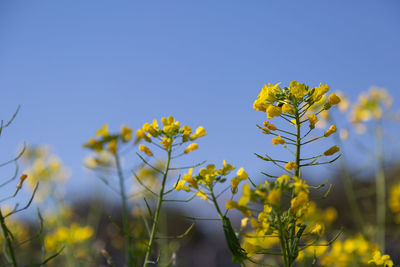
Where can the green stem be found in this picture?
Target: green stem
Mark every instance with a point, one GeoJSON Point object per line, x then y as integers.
{"type": "Point", "coordinates": [125, 213]}
{"type": "Point", "coordinates": [349, 189]}
{"type": "Point", "coordinates": [7, 237]}
{"type": "Point", "coordinates": [214, 200]}
{"type": "Point", "coordinates": [157, 214]}
{"type": "Point", "coordinates": [283, 243]}
{"type": "Point", "coordinates": [292, 230]}
{"type": "Point", "coordinates": [380, 190]}
{"type": "Point", "coordinates": [298, 143]}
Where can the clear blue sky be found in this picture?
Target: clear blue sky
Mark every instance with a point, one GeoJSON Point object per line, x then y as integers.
{"type": "Point", "coordinates": [74, 65]}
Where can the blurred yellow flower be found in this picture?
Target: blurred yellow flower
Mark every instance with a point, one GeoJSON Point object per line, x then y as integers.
{"type": "Point", "coordinates": [333, 99]}
{"type": "Point", "coordinates": [145, 150]}
{"type": "Point", "coordinates": [278, 141]}
{"type": "Point", "coordinates": [330, 131]}
{"type": "Point", "coordinates": [291, 165]}
{"type": "Point", "coordinates": [312, 118]}
{"type": "Point", "coordinates": [381, 260]}
{"type": "Point", "coordinates": [103, 131]}
{"type": "Point", "coordinates": [191, 148]}
{"type": "Point", "coordinates": [126, 133]}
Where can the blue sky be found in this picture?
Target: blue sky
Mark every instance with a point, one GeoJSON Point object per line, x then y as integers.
{"type": "Point", "coordinates": [74, 65]}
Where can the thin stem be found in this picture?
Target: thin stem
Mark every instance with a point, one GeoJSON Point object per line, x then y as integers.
{"type": "Point", "coordinates": [349, 189]}
{"type": "Point", "coordinates": [283, 243]}
{"type": "Point", "coordinates": [292, 230]}
{"type": "Point", "coordinates": [157, 214]}
{"type": "Point", "coordinates": [380, 190]}
{"type": "Point", "coordinates": [125, 213]}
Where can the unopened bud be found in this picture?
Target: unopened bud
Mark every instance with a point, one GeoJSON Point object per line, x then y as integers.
{"type": "Point", "coordinates": [22, 178]}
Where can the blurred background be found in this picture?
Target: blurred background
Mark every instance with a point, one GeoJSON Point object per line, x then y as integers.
{"type": "Point", "coordinates": [76, 65]}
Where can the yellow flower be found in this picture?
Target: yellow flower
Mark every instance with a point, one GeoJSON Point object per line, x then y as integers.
{"type": "Point", "coordinates": [313, 120]}
{"type": "Point", "coordinates": [273, 111]}
{"type": "Point", "coordinates": [331, 151]}
{"type": "Point", "coordinates": [94, 144]}
{"type": "Point", "coordinates": [291, 165]}
{"type": "Point", "coordinates": [278, 140]}
{"type": "Point", "coordinates": [112, 146]}
{"type": "Point", "coordinates": [186, 133]}
{"type": "Point", "coordinates": [298, 89]}
{"type": "Point", "coordinates": [142, 135]}
{"type": "Point", "coordinates": [270, 126]}
{"type": "Point", "coordinates": [200, 131]}
{"type": "Point", "coordinates": [266, 97]}
{"type": "Point", "coordinates": [146, 150]}
{"type": "Point", "coordinates": [230, 204]}
{"type": "Point", "coordinates": [274, 197]}
{"type": "Point", "coordinates": [181, 186]}
{"type": "Point", "coordinates": [67, 235]}
{"type": "Point", "coordinates": [330, 131]}
{"type": "Point", "coordinates": [189, 178]}
{"type": "Point", "coordinates": [299, 185]}
{"type": "Point", "coordinates": [333, 99]}
{"type": "Point", "coordinates": [260, 105]}
{"type": "Point", "coordinates": [126, 133]}
{"type": "Point", "coordinates": [371, 105]}
{"type": "Point", "coordinates": [227, 168]}
{"type": "Point", "coordinates": [330, 215]}
{"type": "Point", "coordinates": [379, 260]}
{"type": "Point", "coordinates": [171, 127]}
{"type": "Point", "coordinates": [152, 129]}
{"type": "Point", "coordinates": [320, 91]}
{"type": "Point", "coordinates": [201, 194]}
{"type": "Point", "coordinates": [190, 148]}
{"type": "Point", "coordinates": [103, 131]}
{"type": "Point", "coordinates": [283, 179]}
{"type": "Point", "coordinates": [244, 222]}
{"type": "Point", "coordinates": [287, 108]}
{"type": "Point", "coordinates": [241, 174]}
{"type": "Point", "coordinates": [318, 229]}
{"type": "Point", "coordinates": [166, 142]}
{"type": "Point", "coordinates": [90, 162]}
{"type": "Point", "coordinates": [299, 204]}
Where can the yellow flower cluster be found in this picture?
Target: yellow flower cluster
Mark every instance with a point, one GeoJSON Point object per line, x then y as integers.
{"type": "Point", "coordinates": [169, 132]}
{"type": "Point", "coordinates": [353, 251]}
{"type": "Point", "coordinates": [106, 141]}
{"type": "Point", "coordinates": [274, 100]}
{"type": "Point", "coordinates": [43, 167]}
{"type": "Point", "coordinates": [72, 235]}
{"type": "Point", "coordinates": [207, 178]}
{"type": "Point", "coordinates": [371, 105]}
{"type": "Point", "coordinates": [241, 205]}
{"type": "Point", "coordinates": [381, 260]}
{"type": "Point", "coordinates": [256, 241]}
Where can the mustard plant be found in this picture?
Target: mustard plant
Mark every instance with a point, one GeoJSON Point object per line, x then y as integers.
{"type": "Point", "coordinates": [170, 138]}
{"type": "Point", "coordinates": [279, 218]}
{"type": "Point", "coordinates": [107, 159]}
{"type": "Point", "coordinates": [13, 233]}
